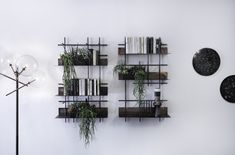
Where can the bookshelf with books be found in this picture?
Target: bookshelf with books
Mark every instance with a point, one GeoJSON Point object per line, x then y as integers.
{"type": "Point", "coordinates": [147, 48]}
{"type": "Point", "coordinates": [91, 90]}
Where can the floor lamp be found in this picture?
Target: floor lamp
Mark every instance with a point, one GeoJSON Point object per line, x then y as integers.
{"type": "Point", "coordinates": [17, 72]}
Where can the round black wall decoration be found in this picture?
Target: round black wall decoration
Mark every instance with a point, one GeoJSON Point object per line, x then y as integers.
{"type": "Point", "coordinates": [206, 62]}
{"type": "Point", "coordinates": [227, 89]}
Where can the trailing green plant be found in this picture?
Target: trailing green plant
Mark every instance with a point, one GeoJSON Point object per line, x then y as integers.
{"type": "Point", "coordinates": [84, 52]}
{"type": "Point", "coordinates": [139, 87]}
{"type": "Point", "coordinates": [87, 115]}
{"type": "Point", "coordinates": [69, 71]}
{"type": "Point", "coordinates": [121, 68]}
{"type": "Point", "coordinates": [138, 72]}
{"type": "Point", "coordinates": [69, 59]}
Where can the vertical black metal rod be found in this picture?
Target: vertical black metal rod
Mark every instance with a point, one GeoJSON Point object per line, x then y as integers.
{"type": "Point", "coordinates": [88, 69]}
{"type": "Point", "coordinates": [148, 67]}
{"type": "Point", "coordinates": [65, 105]}
{"type": "Point", "coordinates": [99, 76]}
{"type": "Point", "coordinates": [125, 79]}
{"type": "Point", "coordinates": [64, 44]}
{"type": "Point", "coordinates": [17, 111]}
{"type": "Point", "coordinates": [160, 52]}
{"type": "Point", "coordinates": [140, 102]}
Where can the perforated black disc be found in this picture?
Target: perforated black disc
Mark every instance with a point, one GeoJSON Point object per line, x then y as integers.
{"type": "Point", "coordinates": [206, 62]}
{"type": "Point", "coordinates": [227, 89]}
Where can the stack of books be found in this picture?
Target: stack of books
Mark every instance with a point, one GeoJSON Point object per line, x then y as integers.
{"type": "Point", "coordinates": [142, 45]}
{"type": "Point", "coordinates": [85, 87]}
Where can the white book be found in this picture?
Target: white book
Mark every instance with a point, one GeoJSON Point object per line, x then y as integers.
{"type": "Point", "coordinates": [145, 45]}
{"type": "Point", "coordinates": [134, 45]}
{"type": "Point", "coordinates": [79, 88]}
{"type": "Point", "coordinates": [90, 86]}
{"type": "Point", "coordinates": [95, 87]}
{"type": "Point", "coordinates": [98, 87]}
{"type": "Point", "coordinates": [127, 44]}
{"type": "Point", "coordinates": [82, 87]}
{"type": "Point", "coordinates": [137, 45]}
{"type": "Point", "coordinates": [154, 45]}
{"type": "Point", "coordinates": [140, 45]}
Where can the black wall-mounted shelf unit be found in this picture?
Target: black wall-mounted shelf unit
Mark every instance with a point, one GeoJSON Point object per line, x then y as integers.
{"type": "Point", "coordinates": [157, 78]}
{"type": "Point", "coordinates": [74, 96]}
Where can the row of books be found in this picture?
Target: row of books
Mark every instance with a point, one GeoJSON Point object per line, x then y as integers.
{"type": "Point", "coordinates": [84, 87]}
{"type": "Point", "coordinates": [142, 45]}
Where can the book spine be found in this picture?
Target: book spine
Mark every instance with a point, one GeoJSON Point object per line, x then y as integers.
{"type": "Point", "coordinates": [151, 45]}
{"type": "Point", "coordinates": [92, 87]}
{"type": "Point", "coordinates": [78, 87]}
{"type": "Point", "coordinates": [95, 87]}
{"type": "Point", "coordinates": [98, 87]}
{"type": "Point", "coordinates": [82, 86]}
{"type": "Point", "coordinates": [97, 57]}
{"type": "Point", "coordinates": [154, 46]}
{"type": "Point", "coordinates": [132, 45]}
{"type": "Point", "coordinates": [140, 44]}
{"type": "Point", "coordinates": [147, 44]}
{"type": "Point", "coordinates": [86, 89]}
{"type": "Point", "coordinates": [127, 45]}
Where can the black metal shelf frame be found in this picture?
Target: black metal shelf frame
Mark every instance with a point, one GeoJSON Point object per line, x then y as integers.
{"type": "Point", "coordinates": [148, 82]}
{"type": "Point", "coordinates": [71, 99]}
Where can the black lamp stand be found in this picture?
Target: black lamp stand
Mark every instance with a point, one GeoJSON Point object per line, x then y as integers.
{"type": "Point", "coordinates": [17, 73]}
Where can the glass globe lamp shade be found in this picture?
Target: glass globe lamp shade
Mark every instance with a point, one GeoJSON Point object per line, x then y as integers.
{"type": "Point", "coordinates": [29, 63]}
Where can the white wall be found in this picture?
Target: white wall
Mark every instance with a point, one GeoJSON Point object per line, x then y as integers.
{"type": "Point", "coordinates": [201, 122]}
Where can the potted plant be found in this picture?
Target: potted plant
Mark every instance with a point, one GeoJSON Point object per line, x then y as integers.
{"type": "Point", "coordinates": [75, 56]}
{"type": "Point", "coordinates": [69, 71]}
{"type": "Point", "coordinates": [139, 87]}
{"type": "Point", "coordinates": [87, 115]}
{"type": "Point", "coordinates": [138, 74]}
{"type": "Point", "coordinates": [121, 68]}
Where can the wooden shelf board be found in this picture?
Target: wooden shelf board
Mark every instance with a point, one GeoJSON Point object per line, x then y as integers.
{"type": "Point", "coordinates": [101, 113]}
{"type": "Point", "coordinates": [143, 112]}
{"type": "Point", "coordinates": [152, 76]}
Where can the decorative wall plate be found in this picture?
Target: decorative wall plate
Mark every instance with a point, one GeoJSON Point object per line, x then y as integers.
{"type": "Point", "coordinates": [206, 62]}
{"type": "Point", "coordinates": [227, 89]}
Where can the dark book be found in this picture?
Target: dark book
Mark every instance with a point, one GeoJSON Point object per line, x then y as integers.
{"type": "Point", "coordinates": [93, 93]}
{"type": "Point", "coordinates": [151, 45]}
{"type": "Point", "coordinates": [77, 87]}
{"type": "Point", "coordinates": [147, 45]}
{"type": "Point", "coordinates": [86, 87]}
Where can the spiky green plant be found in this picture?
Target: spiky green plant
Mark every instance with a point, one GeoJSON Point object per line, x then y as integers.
{"type": "Point", "coordinates": [121, 68]}
{"type": "Point", "coordinates": [138, 72]}
{"type": "Point", "coordinates": [139, 87]}
{"type": "Point", "coordinates": [69, 71]}
{"type": "Point", "coordinates": [87, 115]}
